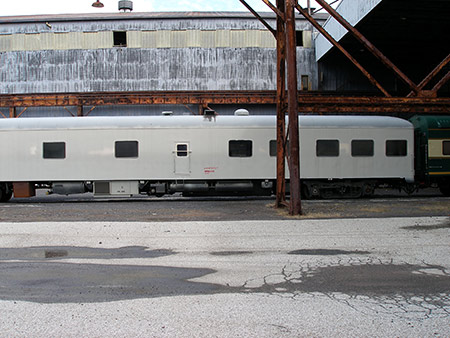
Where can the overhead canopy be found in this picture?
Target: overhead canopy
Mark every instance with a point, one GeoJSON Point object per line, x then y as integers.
{"type": "Point", "coordinates": [413, 34]}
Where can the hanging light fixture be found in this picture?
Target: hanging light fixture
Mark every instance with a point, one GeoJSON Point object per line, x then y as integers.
{"type": "Point", "coordinates": [98, 4]}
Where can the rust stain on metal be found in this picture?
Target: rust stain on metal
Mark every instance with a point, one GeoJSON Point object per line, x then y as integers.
{"type": "Point", "coordinates": [309, 102]}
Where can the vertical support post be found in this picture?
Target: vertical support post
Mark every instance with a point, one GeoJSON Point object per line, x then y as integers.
{"type": "Point", "coordinates": [281, 107]}
{"type": "Point", "coordinates": [80, 111]}
{"type": "Point", "coordinates": [12, 112]}
{"type": "Point", "coordinates": [295, 207]}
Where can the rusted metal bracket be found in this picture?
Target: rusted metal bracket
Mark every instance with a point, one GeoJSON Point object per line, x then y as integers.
{"type": "Point", "coordinates": [439, 85]}
{"type": "Point", "coordinates": [264, 22]}
{"type": "Point", "coordinates": [279, 13]}
{"type": "Point", "coordinates": [90, 110]}
{"type": "Point", "coordinates": [342, 49]}
{"type": "Point", "coordinates": [67, 110]}
{"type": "Point", "coordinates": [23, 111]}
{"type": "Point", "coordinates": [431, 76]}
{"type": "Point", "coordinates": [377, 53]}
{"type": "Point", "coordinates": [331, 4]}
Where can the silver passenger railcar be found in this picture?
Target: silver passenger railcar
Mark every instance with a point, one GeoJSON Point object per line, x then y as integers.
{"type": "Point", "coordinates": [157, 155]}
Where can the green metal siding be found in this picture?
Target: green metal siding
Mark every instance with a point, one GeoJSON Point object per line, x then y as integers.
{"type": "Point", "coordinates": [429, 167]}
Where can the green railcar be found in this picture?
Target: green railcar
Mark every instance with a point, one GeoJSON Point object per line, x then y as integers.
{"type": "Point", "coordinates": [432, 151]}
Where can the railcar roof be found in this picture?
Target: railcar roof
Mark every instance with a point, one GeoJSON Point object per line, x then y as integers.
{"type": "Point", "coordinates": [141, 122]}
{"type": "Point", "coordinates": [425, 122]}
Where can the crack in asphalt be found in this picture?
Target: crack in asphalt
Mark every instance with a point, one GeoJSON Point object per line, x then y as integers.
{"type": "Point", "coordinates": [370, 285]}
{"type": "Point", "coordinates": [363, 283]}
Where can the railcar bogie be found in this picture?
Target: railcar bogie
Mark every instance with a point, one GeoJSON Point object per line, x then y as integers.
{"type": "Point", "coordinates": [6, 192]}
{"type": "Point", "coordinates": [338, 188]}
{"type": "Point", "coordinates": [444, 187]}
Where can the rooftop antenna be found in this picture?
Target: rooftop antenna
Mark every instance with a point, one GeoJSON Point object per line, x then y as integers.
{"type": "Point", "coordinates": [98, 4]}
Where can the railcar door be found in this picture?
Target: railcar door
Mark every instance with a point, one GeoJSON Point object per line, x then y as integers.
{"type": "Point", "coordinates": [182, 158]}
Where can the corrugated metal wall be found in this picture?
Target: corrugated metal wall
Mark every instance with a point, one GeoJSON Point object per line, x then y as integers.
{"type": "Point", "coordinates": [163, 54]}
{"type": "Point", "coordinates": [138, 39]}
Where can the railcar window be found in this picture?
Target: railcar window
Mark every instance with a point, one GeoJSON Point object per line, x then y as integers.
{"type": "Point", "coordinates": [273, 147]}
{"type": "Point", "coordinates": [362, 148]}
{"type": "Point", "coordinates": [54, 150]}
{"type": "Point", "coordinates": [396, 148]}
{"type": "Point", "coordinates": [327, 148]}
{"type": "Point", "coordinates": [126, 149]}
{"type": "Point", "coordinates": [240, 148]}
{"type": "Point", "coordinates": [182, 150]}
{"type": "Point", "coordinates": [446, 147]}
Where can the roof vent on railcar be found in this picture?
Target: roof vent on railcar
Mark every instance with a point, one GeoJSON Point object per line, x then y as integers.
{"type": "Point", "coordinates": [167, 113]}
{"type": "Point", "coordinates": [241, 112]}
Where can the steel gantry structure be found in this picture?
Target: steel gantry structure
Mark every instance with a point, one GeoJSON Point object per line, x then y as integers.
{"type": "Point", "coordinates": [289, 100]}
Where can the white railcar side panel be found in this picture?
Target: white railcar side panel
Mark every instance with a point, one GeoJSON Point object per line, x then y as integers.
{"type": "Point", "coordinates": [347, 166]}
{"type": "Point", "coordinates": [90, 144]}
{"type": "Point", "coordinates": [90, 155]}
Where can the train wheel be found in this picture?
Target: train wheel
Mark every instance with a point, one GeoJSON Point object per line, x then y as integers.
{"type": "Point", "coordinates": [305, 194]}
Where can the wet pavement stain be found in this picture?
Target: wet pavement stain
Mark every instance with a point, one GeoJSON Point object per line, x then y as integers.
{"type": "Point", "coordinates": [26, 274]}
{"type": "Point", "coordinates": [326, 252]}
{"type": "Point", "coordinates": [55, 253]}
{"type": "Point", "coordinates": [370, 280]}
{"type": "Point", "coordinates": [59, 252]}
{"type": "Point", "coordinates": [230, 253]}
{"type": "Point", "coordinates": [419, 227]}
{"type": "Point", "coordinates": [56, 282]}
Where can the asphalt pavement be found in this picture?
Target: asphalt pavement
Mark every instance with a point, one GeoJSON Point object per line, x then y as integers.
{"type": "Point", "coordinates": [358, 277]}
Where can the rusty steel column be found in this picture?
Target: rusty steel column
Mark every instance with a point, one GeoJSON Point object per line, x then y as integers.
{"type": "Point", "coordinates": [12, 112]}
{"type": "Point", "coordinates": [295, 206]}
{"type": "Point", "coordinates": [281, 107]}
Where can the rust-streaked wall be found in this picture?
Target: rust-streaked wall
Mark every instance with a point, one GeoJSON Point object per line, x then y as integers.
{"type": "Point", "coordinates": [165, 51]}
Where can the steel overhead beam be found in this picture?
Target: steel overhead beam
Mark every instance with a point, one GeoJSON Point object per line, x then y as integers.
{"type": "Point", "coordinates": [310, 102]}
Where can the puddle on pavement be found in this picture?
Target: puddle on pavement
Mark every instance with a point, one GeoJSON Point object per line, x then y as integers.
{"type": "Point", "coordinates": [326, 252]}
